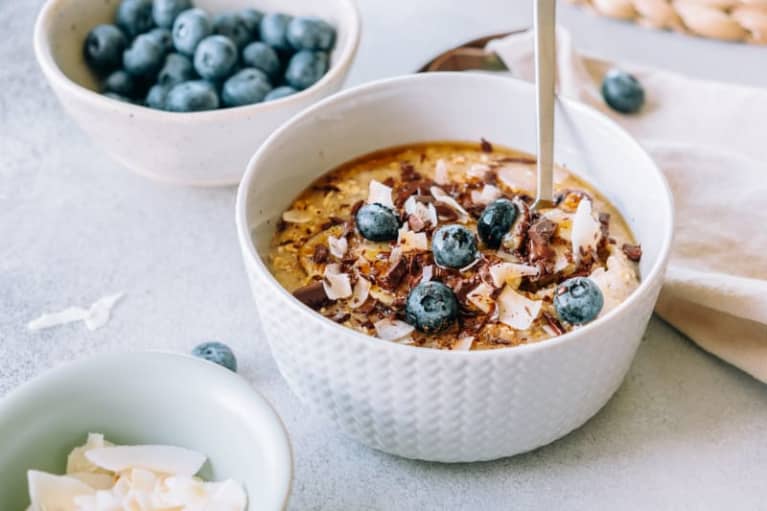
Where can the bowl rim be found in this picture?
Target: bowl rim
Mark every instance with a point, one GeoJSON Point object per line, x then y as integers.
{"type": "Point", "coordinates": [277, 432]}
{"type": "Point", "coordinates": [253, 259]}
{"type": "Point", "coordinates": [44, 56]}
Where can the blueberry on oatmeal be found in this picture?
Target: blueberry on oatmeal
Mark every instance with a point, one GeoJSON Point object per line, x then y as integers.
{"type": "Point", "coordinates": [377, 222]}
{"type": "Point", "coordinates": [578, 300]}
{"type": "Point", "coordinates": [495, 221]}
{"type": "Point", "coordinates": [431, 307]}
{"type": "Point", "coordinates": [454, 246]}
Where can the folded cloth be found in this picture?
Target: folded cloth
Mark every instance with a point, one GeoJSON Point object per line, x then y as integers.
{"type": "Point", "coordinates": [709, 140]}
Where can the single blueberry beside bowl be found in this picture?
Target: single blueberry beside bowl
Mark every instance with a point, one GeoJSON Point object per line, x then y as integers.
{"type": "Point", "coordinates": [134, 16]}
{"type": "Point", "coordinates": [144, 57]}
{"type": "Point", "coordinates": [191, 27]}
{"type": "Point", "coordinates": [274, 30]}
{"type": "Point", "coordinates": [454, 246]}
{"type": "Point", "coordinates": [578, 300]}
{"type": "Point", "coordinates": [280, 92]}
{"type": "Point", "coordinates": [218, 353]}
{"type": "Point", "coordinates": [246, 87]}
{"type": "Point", "coordinates": [164, 12]}
{"type": "Point", "coordinates": [310, 33]}
{"type": "Point", "coordinates": [104, 47]}
{"type": "Point", "coordinates": [177, 68]}
{"type": "Point", "coordinates": [252, 19]}
{"type": "Point", "coordinates": [163, 37]}
{"type": "Point", "coordinates": [215, 57]}
{"type": "Point", "coordinates": [306, 68]}
{"type": "Point", "coordinates": [120, 82]}
{"type": "Point", "coordinates": [622, 91]}
{"type": "Point", "coordinates": [157, 96]}
{"type": "Point", "coordinates": [192, 96]}
{"type": "Point", "coordinates": [262, 56]}
{"type": "Point", "coordinates": [231, 25]}
{"type": "Point", "coordinates": [431, 307]}
{"type": "Point", "coordinates": [495, 221]}
{"type": "Point", "coordinates": [377, 222]}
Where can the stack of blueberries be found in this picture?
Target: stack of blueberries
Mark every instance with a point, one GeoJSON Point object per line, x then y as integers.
{"type": "Point", "coordinates": [168, 55]}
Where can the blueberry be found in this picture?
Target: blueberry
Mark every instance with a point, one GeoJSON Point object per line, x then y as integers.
{"type": "Point", "coordinates": [191, 27]}
{"type": "Point", "coordinates": [118, 97]}
{"type": "Point", "coordinates": [177, 68]}
{"type": "Point", "coordinates": [280, 92]}
{"type": "Point", "coordinates": [248, 86]}
{"type": "Point", "coordinates": [104, 47]}
{"type": "Point", "coordinates": [215, 57]}
{"type": "Point", "coordinates": [376, 222]}
{"type": "Point", "coordinates": [578, 300]}
{"type": "Point", "coordinates": [252, 19]}
{"type": "Point", "coordinates": [495, 221]}
{"type": "Point", "coordinates": [144, 57]}
{"type": "Point", "coordinates": [157, 96]}
{"type": "Point", "coordinates": [454, 246]}
{"type": "Point", "coordinates": [310, 33]}
{"type": "Point", "coordinates": [231, 25]}
{"type": "Point", "coordinates": [120, 82]}
{"type": "Point", "coordinates": [306, 68]}
{"type": "Point", "coordinates": [163, 37]}
{"type": "Point", "coordinates": [262, 56]}
{"type": "Point", "coordinates": [274, 30]}
{"type": "Point", "coordinates": [431, 307]}
{"type": "Point", "coordinates": [218, 353]}
{"type": "Point", "coordinates": [164, 12]}
{"type": "Point", "coordinates": [192, 96]}
{"type": "Point", "coordinates": [134, 16]}
{"type": "Point", "coordinates": [622, 91]}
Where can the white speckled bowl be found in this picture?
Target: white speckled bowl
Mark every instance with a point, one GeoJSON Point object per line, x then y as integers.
{"type": "Point", "coordinates": [153, 397]}
{"type": "Point", "coordinates": [201, 148]}
{"type": "Point", "coordinates": [445, 405]}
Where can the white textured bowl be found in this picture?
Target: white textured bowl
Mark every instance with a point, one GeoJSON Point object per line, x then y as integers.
{"type": "Point", "coordinates": [201, 148]}
{"type": "Point", "coordinates": [445, 405]}
{"type": "Point", "coordinates": [156, 398]}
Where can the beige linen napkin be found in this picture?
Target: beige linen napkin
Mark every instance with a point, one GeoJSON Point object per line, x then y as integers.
{"type": "Point", "coordinates": [710, 140]}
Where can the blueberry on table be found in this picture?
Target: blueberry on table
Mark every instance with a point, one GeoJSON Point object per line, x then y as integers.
{"type": "Point", "coordinates": [310, 33]}
{"type": "Point", "coordinates": [218, 353]}
{"type": "Point", "coordinates": [274, 30]}
{"type": "Point", "coordinates": [495, 221]}
{"type": "Point", "coordinates": [118, 97]}
{"type": "Point", "coordinates": [454, 246]}
{"type": "Point", "coordinates": [191, 27]}
{"type": "Point", "coordinates": [164, 12]}
{"type": "Point", "coordinates": [177, 68]}
{"type": "Point", "coordinates": [193, 96]}
{"type": "Point", "coordinates": [104, 47]}
{"type": "Point", "coordinates": [134, 16]}
{"type": "Point", "coordinates": [431, 307]}
{"type": "Point", "coordinates": [262, 56]}
{"type": "Point", "coordinates": [163, 37]}
{"type": "Point", "coordinates": [120, 82]}
{"type": "Point", "coordinates": [157, 96]}
{"type": "Point", "coordinates": [231, 25]}
{"type": "Point", "coordinates": [578, 300]}
{"type": "Point", "coordinates": [215, 57]}
{"type": "Point", "coordinates": [376, 222]}
{"type": "Point", "coordinates": [280, 92]}
{"type": "Point", "coordinates": [145, 56]}
{"type": "Point", "coordinates": [622, 91]}
{"type": "Point", "coordinates": [306, 68]}
{"type": "Point", "coordinates": [252, 19]}
{"type": "Point", "coordinates": [246, 87]}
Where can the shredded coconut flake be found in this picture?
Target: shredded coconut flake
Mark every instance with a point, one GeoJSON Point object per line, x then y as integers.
{"type": "Point", "coordinates": [481, 297]}
{"type": "Point", "coordinates": [488, 194]}
{"type": "Point", "coordinates": [338, 246]}
{"type": "Point", "coordinates": [440, 173]}
{"type": "Point", "coordinates": [426, 212]}
{"type": "Point", "coordinates": [413, 241]}
{"type": "Point", "coordinates": [505, 272]}
{"type": "Point", "coordinates": [464, 343]}
{"type": "Point", "coordinates": [441, 196]}
{"type": "Point", "coordinates": [519, 176]}
{"type": "Point", "coordinates": [478, 170]}
{"type": "Point", "coordinates": [516, 310]}
{"type": "Point", "coordinates": [297, 216]}
{"type": "Point", "coordinates": [392, 329]}
{"type": "Point", "coordinates": [337, 285]}
{"type": "Point", "coordinates": [380, 193]}
{"type": "Point", "coordinates": [360, 293]}
{"type": "Point", "coordinates": [585, 231]}
{"type": "Point", "coordinates": [427, 273]}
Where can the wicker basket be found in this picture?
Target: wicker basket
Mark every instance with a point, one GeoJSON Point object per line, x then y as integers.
{"type": "Point", "coordinates": [729, 20]}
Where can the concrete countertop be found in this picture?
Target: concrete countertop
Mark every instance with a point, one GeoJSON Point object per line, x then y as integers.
{"type": "Point", "coordinates": [685, 431]}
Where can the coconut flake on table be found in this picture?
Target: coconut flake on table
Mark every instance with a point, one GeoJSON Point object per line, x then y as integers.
{"type": "Point", "coordinates": [360, 292]}
{"type": "Point", "coordinates": [297, 216]}
{"type": "Point", "coordinates": [519, 176]}
{"type": "Point", "coordinates": [617, 282]}
{"type": "Point", "coordinates": [337, 285]}
{"type": "Point", "coordinates": [94, 317]}
{"type": "Point", "coordinates": [441, 176]}
{"type": "Point", "coordinates": [338, 246]}
{"type": "Point", "coordinates": [517, 310]}
{"type": "Point", "coordinates": [410, 241]}
{"type": "Point", "coordinates": [586, 230]}
{"type": "Point", "coordinates": [380, 193]}
{"type": "Point", "coordinates": [503, 273]}
{"type": "Point", "coordinates": [441, 196]}
{"type": "Point", "coordinates": [392, 329]}
{"type": "Point", "coordinates": [427, 213]}
{"type": "Point", "coordinates": [488, 194]}
{"type": "Point", "coordinates": [477, 170]}
{"type": "Point", "coordinates": [481, 297]}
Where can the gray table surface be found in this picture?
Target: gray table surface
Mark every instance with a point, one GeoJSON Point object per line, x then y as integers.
{"type": "Point", "coordinates": [685, 431]}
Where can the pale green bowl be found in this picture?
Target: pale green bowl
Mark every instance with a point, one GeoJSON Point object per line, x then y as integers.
{"type": "Point", "coordinates": [145, 398]}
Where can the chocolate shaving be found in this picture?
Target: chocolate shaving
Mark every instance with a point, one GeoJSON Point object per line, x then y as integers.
{"type": "Point", "coordinates": [331, 222]}
{"type": "Point", "coordinates": [554, 323]}
{"type": "Point", "coordinates": [320, 254]}
{"type": "Point", "coordinates": [312, 295]}
{"type": "Point", "coordinates": [517, 159]}
{"type": "Point", "coordinates": [541, 253]}
{"type": "Point", "coordinates": [341, 317]}
{"type": "Point", "coordinates": [327, 187]}
{"type": "Point", "coordinates": [281, 225]}
{"type": "Point", "coordinates": [389, 181]}
{"type": "Point", "coordinates": [394, 275]}
{"type": "Point", "coordinates": [445, 212]}
{"type": "Point", "coordinates": [486, 146]}
{"type": "Point", "coordinates": [356, 207]}
{"type": "Point", "coordinates": [408, 172]}
{"type": "Point", "coordinates": [633, 252]}
{"type": "Point", "coordinates": [368, 306]}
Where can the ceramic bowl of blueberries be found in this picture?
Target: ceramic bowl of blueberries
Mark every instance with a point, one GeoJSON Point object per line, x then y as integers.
{"type": "Point", "coordinates": [443, 405]}
{"type": "Point", "coordinates": [146, 398]}
{"type": "Point", "coordinates": [183, 91]}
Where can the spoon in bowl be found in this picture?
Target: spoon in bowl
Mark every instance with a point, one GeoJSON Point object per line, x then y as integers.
{"type": "Point", "coordinates": [545, 68]}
